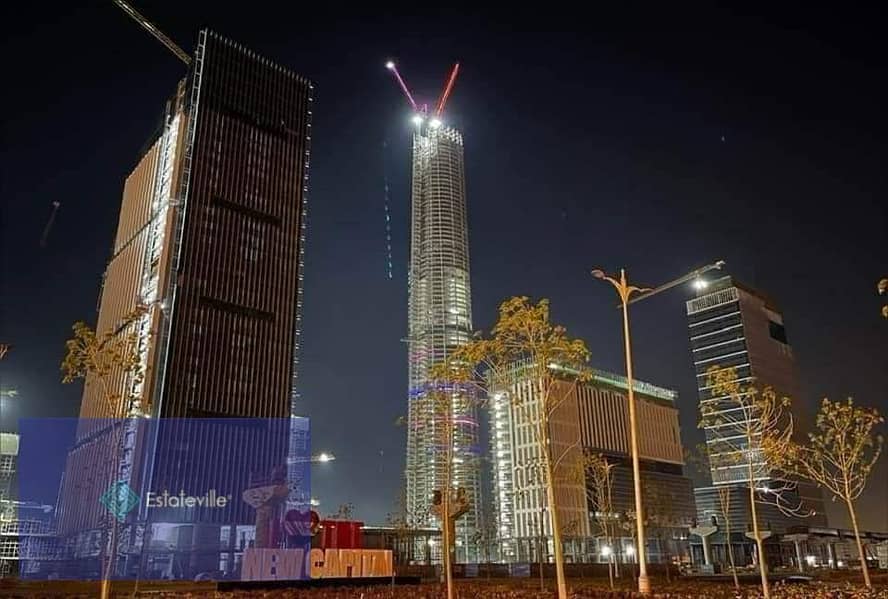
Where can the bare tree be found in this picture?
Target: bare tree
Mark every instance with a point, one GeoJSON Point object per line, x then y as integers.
{"type": "Point", "coordinates": [663, 517]}
{"type": "Point", "coordinates": [701, 461]}
{"type": "Point", "coordinates": [597, 472]}
{"type": "Point", "coordinates": [724, 503]}
{"type": "Point", "coordinates": [740, 421]}
{"type": "Point", "coordinates": [345, 511]}
{"type": "Point", "coordinates": [405, 526]}
{"type": "Point", "coordinates": [839, 456]}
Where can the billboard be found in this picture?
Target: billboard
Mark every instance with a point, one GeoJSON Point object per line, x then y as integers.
{"type": "Point", "coordinates": [173, 499]}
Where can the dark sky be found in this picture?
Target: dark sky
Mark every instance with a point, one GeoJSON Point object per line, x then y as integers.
{"type": "Point", "coordinates": [654, 141]}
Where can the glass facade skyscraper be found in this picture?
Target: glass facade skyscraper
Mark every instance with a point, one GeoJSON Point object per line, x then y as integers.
{"type": "Point", "coordinates": [210, 245]}
{"type": "Point", "coordinates": [734, 326]}
{"type": "Point", "coordinates": [439, 320]}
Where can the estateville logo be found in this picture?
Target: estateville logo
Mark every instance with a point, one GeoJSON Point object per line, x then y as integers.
{"type": "Point", "coordinates": [120, 500]}
{"type": "Point", "coordinates": [166, 499]}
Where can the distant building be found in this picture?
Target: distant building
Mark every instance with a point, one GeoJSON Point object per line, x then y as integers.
{"type": "Point", "coordinates": [210, 241]}
{"type": "Point", "coordinates": [439, 321]}
{"type": "Point", "coordinates": [592, 419]}
{"type": "Point", "coordinates": [734, 326]}
{"type": "Point", "coordinates": [9, 444]}
{"type": "Point", "coordinates": [26, 528]}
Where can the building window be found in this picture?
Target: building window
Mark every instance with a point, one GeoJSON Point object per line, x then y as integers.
{"type": "Point", "coordinates": [777, 331]}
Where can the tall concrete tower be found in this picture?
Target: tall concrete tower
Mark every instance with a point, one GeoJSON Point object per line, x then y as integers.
{"type": "Point", "coordinates": [439, 320]}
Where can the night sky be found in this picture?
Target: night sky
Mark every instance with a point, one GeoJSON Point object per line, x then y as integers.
{"type": "Point", "coordinates": [655, 141]}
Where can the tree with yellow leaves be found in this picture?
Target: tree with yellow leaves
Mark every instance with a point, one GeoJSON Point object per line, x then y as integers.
{"type": "Point", "coordinates": [746, 429]}
{"type": "Point", "coordinates": [839, 456]}
{"type": "Point", "coordinates": [525, 343]}
{"type": "Point", "coordinates": [105, 360]}
{"type": "Point", "coordinates": [112, 361]}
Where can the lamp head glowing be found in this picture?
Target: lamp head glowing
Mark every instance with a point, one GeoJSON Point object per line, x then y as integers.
{"type": "Point", "coordinates": [417, 120]}
{"type": "Point", "coordinates": [630, 550]}
{"type": "Point", "coordinates": [700, 284]}
{"type": "Point", "coordinates": [606, 551]}
{"type": "Point", "coordinates": [435, 123]}
{"type": "Point", "coordinates": [326, 457]}
{"type": "Point", "coordinates": [390, 65]}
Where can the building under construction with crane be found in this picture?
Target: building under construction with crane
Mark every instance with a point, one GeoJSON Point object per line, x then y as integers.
{"type": "Point", "coordinates": [205, 278]}
{"type": "Point", "coordinates": [442, 440]}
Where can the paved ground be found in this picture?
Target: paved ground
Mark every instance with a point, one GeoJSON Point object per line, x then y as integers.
{"type": "Point", "coordinates": [466, 589]}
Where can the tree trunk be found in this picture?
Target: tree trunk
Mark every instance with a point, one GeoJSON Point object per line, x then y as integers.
{"type": "Point", "coordinates": [731, 552]}
{"type": "Point", "coordinates": [860, 551]}
{"type": "Point", "coordinates": [724, 497]}
{"type": "Point", "coordinates": [556, 533]}
{"type": "Point", "coordinates": [668, 560]}
{"type": "Point", "coordinates": [445, 505]}
{"type": "Point", "coordinates": [546, 455]}
{"type": "Point", "coordinates": [763, 569]}
{"type": "Point", "coordinates": [109, 566]}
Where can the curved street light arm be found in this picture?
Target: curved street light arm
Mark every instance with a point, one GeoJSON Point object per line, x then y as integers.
{"type": "Point", "coordinates": [676, 282]}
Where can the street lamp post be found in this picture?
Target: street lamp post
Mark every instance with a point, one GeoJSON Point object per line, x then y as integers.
{"type": "Point", "coordinates": [625, 291]}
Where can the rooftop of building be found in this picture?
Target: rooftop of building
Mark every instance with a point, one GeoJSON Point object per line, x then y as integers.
{"type": "Point", "coordinates": [641, 387]}
{"type": "Point", "coordinates": [729, 281]}
{"type": "Point", "coordinates": [620, 382]}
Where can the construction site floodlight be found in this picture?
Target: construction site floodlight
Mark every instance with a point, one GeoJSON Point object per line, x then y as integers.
{"type": "Point", "coordinates": [390, 65]}
{"type": "Point", "coordinates": [325, 457]}
{"type": "Point", "coordinates": [417, 120]}
{"type": "Point", "coordinates": [435, 123]}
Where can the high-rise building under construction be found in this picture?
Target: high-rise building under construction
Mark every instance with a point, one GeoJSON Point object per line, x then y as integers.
{"type": "Point", "coordinates": [439, 320]}
{"type": "Point", "coordinates": [205, 278]}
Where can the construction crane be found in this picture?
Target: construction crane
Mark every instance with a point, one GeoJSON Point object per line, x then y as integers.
{"type": "Point", "coordinates": [424, 109]}
{"type": "Point", "coordinates": [157, 33]}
